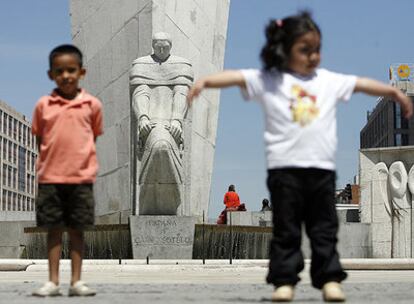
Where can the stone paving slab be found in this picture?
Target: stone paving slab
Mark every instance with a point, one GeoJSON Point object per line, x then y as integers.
{"type": "Point", "coordinates": [208, 293]}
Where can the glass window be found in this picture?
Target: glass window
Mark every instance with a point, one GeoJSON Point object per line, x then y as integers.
{"type": "Point", "coordinates": [15, 151]}
{"type": "Point", "coordinates": [4, 148]}
{"type": "Point", "coordinates": [22, 169]}
{"type": "Point", "coordinates": [24, 134]}
{"type": "Point", "coordinates": [10, 152]}
{"type": "Point", "coordinates": [4, 174]}
{"type": "Point", "coordinates": [15, 201]}
{"type": "Point", "coordinates": [5, 123]}
{"type": "Point", "coordinates": [10, 126]}
{"type": "Point", "coordinates": [398, 139]}
{"type": "Point", "coordinates": [9, 200]}
{"type": "Point", "coordinates": [9, 176]}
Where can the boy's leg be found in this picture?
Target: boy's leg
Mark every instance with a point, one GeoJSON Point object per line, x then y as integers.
{"type": "Point", "coordinates": [322, 227]}
{"type": "Point", "coordinates": [76, 253]}
{"type": "Point", "coordinates": [54, 249]}
{"type": "Point", "coordinates": [286, 259]}
{"type": "Point", "coordinates": [80, 214]}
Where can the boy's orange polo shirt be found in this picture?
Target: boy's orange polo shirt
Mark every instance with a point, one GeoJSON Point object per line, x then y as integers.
{"type": "Point", "coordinates": [68, 129]}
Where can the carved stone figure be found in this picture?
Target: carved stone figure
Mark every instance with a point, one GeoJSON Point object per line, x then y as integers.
{"type": "Point", "coordinates": [401, 205]}
{"type": "Point", "coordinates": [159, 84]}
{"type": "Point", "coordinates": [381, 212]}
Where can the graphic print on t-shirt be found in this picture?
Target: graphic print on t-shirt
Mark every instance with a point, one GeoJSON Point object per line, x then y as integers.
{"type": "Point", "coordinates": [303, 106]}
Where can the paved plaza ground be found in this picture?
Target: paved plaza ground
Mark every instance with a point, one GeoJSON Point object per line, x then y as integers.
{"type": "Point", "coordinates": [194, 283]}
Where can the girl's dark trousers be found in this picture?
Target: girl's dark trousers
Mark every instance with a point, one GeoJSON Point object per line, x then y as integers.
{"type": "Point", "coordinates": [303, 196]}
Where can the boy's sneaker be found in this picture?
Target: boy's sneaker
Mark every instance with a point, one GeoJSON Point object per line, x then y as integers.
{"type": "Point", "coordinates": [49, 289]}
{"type": "Point", "coordinates": [332, 292]}
{"type": "Point", "coordinates": [80, 289]}
{"type": "Point", "coordinates": [283, 293]}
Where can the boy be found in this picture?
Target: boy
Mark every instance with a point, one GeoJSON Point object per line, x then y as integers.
{"type": "Point", "coordinates": [66, 125]}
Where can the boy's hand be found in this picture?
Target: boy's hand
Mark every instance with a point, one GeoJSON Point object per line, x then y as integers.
{"type": "Point", "coordinates": [195, 91]}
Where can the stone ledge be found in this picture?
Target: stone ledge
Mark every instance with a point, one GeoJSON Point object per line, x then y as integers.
{"type": "Point", "coordinates": [348, 264]}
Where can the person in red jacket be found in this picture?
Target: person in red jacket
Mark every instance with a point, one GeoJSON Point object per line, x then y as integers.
{"type": "Point", "coordinates": [231, 199]}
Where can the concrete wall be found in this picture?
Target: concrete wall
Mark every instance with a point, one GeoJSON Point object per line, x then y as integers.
{"type": "Point", "coordinates": [13, 240]}
{"type": "Point", "coordinates": [16, 216]}
{"type": "Point", "coordinates": [114, 33]}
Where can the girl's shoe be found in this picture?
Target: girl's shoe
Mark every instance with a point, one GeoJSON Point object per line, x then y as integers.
{"type": "Point", "coordinates": [332, 292]}
{"type": "Point", "coordinates": [80, 289]}
{"type": "Point", "coordinates": [49, 289]}
{"type": "Point", "coordinates": [283, 293]}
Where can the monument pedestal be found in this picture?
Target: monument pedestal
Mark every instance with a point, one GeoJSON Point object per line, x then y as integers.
{"type": "Point", "coordinates": [162, 236]}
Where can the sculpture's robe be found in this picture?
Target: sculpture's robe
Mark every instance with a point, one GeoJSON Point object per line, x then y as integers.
{"type": "Point", "coordinates": [156, 89]}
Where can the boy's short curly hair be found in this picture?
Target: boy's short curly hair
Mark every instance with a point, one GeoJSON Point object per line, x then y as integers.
{"type": "Point", "coordinates": [65, 49]}
{"type": "Point", "coordinates": [280, 37]}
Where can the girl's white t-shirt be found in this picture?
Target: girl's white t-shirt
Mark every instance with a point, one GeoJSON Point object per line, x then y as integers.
{"type": "Point", "coordinates": [300, 115]}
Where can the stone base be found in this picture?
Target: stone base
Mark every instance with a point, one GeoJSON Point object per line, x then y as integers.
{"type": "Point", "coordinates": [162, 236]}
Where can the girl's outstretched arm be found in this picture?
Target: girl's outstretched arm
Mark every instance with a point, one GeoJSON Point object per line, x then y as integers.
{"type": "Point", "coordinates": [377, 88]}
{"type": "Point", "coordinates": [222, 79]}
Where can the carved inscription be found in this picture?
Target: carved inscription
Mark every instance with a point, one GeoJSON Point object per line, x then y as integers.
{"type": "Point", "coordinates": [162, 232]}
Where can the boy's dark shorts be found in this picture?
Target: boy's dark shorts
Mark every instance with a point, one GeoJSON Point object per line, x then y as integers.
{"type": "Point", "coordinates": [65, 205]}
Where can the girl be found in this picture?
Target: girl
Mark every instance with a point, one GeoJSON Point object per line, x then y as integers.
{"type": "Point", "coordinates": [299, 100]}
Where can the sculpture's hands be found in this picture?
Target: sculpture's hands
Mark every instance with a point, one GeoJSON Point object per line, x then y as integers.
{"type": "Point", "coordinates": [145, 126]}
{"type": "Point", "coordinates": [175, 130]}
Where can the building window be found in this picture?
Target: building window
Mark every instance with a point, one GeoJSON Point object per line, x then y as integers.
{"type": "Point", "coordinates": [5, 123]}
{"type": "Point", "coordinates": [404, 139]}
{"type": "Point", "coordinates": [10, 152]}
{"type": "Point", "coordinates": [25, 129]}
{"type": "Point", "coordinates": [9, 200]}
{"type": "Point", "coordinates": [9, 176]}
{"type": "Point", "coordinates": [33, 161]}
{"type": "Point", "coordinates": [22, 169]}
{"type": "Point", "coordinates": [4, 174]}
{"type": "Point", "coordinates": [10, 126]}
{"type": "Point", "coordinates": [397, 140]}
{"type": "Point", "coordinates": [4, 199]}
{"type": "Point", "coordinates": [15, 207]}
{"type": "Point", "coordinates": [15, 151]}
{"type": "Point", "coordinates": [4, 148]}
{"type": "Point", "coordinates": [1, 119]}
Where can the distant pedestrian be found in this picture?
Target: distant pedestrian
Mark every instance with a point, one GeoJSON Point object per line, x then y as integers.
{"type": "Point", "coordinates": [299, 100]}
{"type": "Point", "coordinates": [231, 199]}
{"type": "Point", "coordinates": [265, 205]}
{"type": "Point", "coordinates": [66, 124]}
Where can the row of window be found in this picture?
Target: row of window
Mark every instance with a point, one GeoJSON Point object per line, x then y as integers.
{"type": "Point", "coordinates": [16, 130]}
{"type": "Point", "coordinates": [12, 153]}
{"type": "Point", "coordinates": [18, 181]}
{"type": "Point", "coordinates": [11, 201]}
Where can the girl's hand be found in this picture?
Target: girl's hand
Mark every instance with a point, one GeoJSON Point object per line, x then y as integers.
{"type": "Point", "coordinates": [376, 88]}
{"type": "Point", "coordinates": [195, 91]}
{"type": "Point", "coordinates": [406, 104]}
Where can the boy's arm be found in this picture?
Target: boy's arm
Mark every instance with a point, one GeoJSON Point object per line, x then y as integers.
{"type": "Point", "coordinates": [222, 79]}
{"type": "Point", "coordinates": [377, 88]}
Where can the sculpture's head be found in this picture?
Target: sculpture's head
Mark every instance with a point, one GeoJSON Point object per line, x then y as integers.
{"type": "Point", "coordinates": [161, 43]}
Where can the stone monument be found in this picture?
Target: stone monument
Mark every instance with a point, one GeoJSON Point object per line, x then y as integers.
{"type": "Point", "coordinates": [112, 34]}
{"type": "Point", "coordinates": [159, 84]}
{"type": "Point", "coordinates": [386, 199]}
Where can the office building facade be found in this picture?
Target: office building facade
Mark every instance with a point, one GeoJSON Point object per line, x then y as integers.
{"type": "Point", "coordinates": [386, 126]}
{"type": "Point", "coordinates": [18, 156]}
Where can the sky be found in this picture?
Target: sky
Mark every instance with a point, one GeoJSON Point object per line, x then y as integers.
{"type": "Point", "coordinates": [358, 37]}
